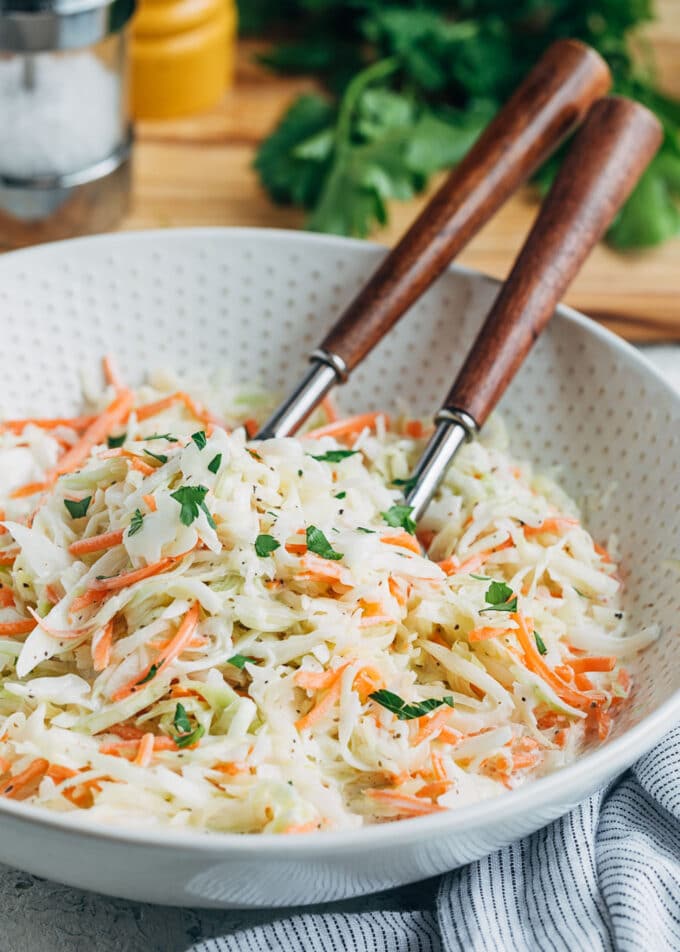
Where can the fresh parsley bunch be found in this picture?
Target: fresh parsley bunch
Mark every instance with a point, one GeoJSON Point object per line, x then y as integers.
{"type": "Point", "coordinates": [410, 86]}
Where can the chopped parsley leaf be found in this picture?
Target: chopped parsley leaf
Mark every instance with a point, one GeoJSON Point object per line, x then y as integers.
{"type": "Point", "coordinates": [406, 485]}
{"type": "Point", "coordinates": [135, 522]}
{"type": "Point", "coordinates": [499, 598]}
{"type": "Point", "coordinates": [540, 644]}
{"type": "Point", "coordinates": [341, 495]}
{"type": "Point", "coordinates": [114, 442]}
{"type": "Point", "coordinates": [181, 720]}
{"type": "Point", "coordinates": [199, 438]}
{"type": "Point", "coordinates": [186, 740]}
{"type": "Point", "coordinates": [319, 544]}
{"type": "Point", "coordinates": [300, 472]}
{"type": "Point", "coordinates": [215, 463]}
{"type": "Point", "coordinates": [335, 456]}
{"type": "Point", "coordinates": [400, 516]}
{"type": "Point", "coordinates": [161, 457]}
{"type": "Point", "coordinates": [161, 436]}
{"type": "Point", "coordinates": [481, 578]}
{"type": "Point", "coordinates": [191, 500]}
{"type": "Point", "coordinates": [151, 673]}
{"type": "Point", "coordinates": [367, 531]}
{"type": "Point", "coordinates": [265, 545]}
{"type": "Point", "coordinates": [406, 712]}
{"type": "Point", "coordinates": [240, 661]}
{"type": "Point", "coordinates": [78, 508]}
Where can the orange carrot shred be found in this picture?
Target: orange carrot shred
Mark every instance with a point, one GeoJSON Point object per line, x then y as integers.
{"type": "Point", "coordinates": [101, 647]}
{"type": "Point", "coordinates": [20, 782]}
{"type": "Point", "coordinates": [97, 542]}
{"type": "Point", "coordinates": [349, 426]}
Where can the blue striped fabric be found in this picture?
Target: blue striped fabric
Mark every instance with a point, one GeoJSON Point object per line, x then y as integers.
{"type": "Point", "coordinates": [606, 877]}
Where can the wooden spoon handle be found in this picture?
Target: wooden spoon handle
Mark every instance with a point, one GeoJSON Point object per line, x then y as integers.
{"type": "Point", "coordinates": [609, 154]}
{"type": "Point", "coordinates": [550, 102]}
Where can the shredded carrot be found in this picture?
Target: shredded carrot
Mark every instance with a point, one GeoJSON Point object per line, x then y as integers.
{"type": "Point", "coordinates": [404, 540]}
{"type": "Point", "coordinates": [73, 423]}
{"type": "Point", "coordinates": [536, 664]}
{"type": "Point", "coordinates": [125, 731]}
{"type": "Point", "coordinates": [583, 682]}
{"type": "Point", "coordinates": [8, 556]}
{"type": "Point", "coordinates": [251, 427]}
{"type": "Point", "coordinates": [453, 567]}
{"type": "Point", "coordinates": [325, 704]}
{"type": "Point", "coordinates": [68, 634]}
{"type": "Point", "coordinates": [560, 737]}
{"type": "Point", "coordinates": [328, 407]}
{"type": "Point", "coordinates": [30, 489]}
{"type": "Point", "coordinates": [624, 679]}
{"type": "Point", "coordinates": [414, 429]}
{"type": "Point", "coordinates": [367, 681]}
{"type": "Point", "coordinates": [602, 552]}
{"type": "Point", "coordinates": [97, 542]}
{"type": "Point", "coordinates": [314, 680]}
{"type": "Point", "coordinates": [175, 647]}
{"type": "Point", "coordinates": [27, 778]}
{"type": "Point", "coordinates": [397, 590]}
{"type": "Point", "coordinates": [58, 773]}
{"type": "Point", "coordinates": [297, 548]}
{"type": "Point", "coordinates": [150, 501]}
{"type": "Point", "coordinates": [431, 724]}
{"type": "Point", "coordinates": [145, 750]}
{"type": "Point", "coordinates": [483, 634]}
{"type": "Point", "coordinates": [555, 526]}
{"type": "Point", "coordinates": [129, 748]}
{"type": "Point", "coordinates": [101, 647]}
{"type": "Point", "coordinates": [449, 736]}
{"type": "Point", "coordinates": [404, 804]}
{"type": "Point", "coordinates": [321, 570]}
{"type": "Point", "coordinates": [6, 598]}
{"type": "Point", "coordinates": [302, 827]}
{"type": "Point", "coordinates": [102, 587]}
{"type": "Point", "coordinates": [96, 433]}
{"type": "Point", "coordinates": [21, 627]}
{"type": "Point", "coordinates": [111, 374]}
{"type": "Point", "coordinates": [349, 426]}
{"type": "Point", "coordinates": [607, 663]}
{"type": "Point", "coordinates": [435, 789]}
{"type": "Point", "coordinates": [133, 460]}
{"type": "Point", "coordinates": [194, 408]}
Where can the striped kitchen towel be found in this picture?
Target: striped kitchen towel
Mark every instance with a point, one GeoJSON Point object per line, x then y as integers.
{"type": "Point", "coordinates": [605, 877]}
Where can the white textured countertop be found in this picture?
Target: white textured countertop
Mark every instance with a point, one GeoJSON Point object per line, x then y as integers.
{"type": "Point", "coordinates": [40, 916]}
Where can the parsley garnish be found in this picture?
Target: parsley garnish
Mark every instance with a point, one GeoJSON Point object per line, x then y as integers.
{"type": "Point", "coordinates": [215, 463]}
{"type": "Point", "coordinates": [364, 529]}
{"type": "Point", "coordinates": [240, 661]}
{"type": "Point", "coordinates": [499, 598]}
{"type": "Point", "coordinates": [200, 439]}
{"type": "Point", "coordinates": [481, 578]}
{"type": "Point", "coordinates": [318, 543]}
{"type": "Point", "coordinates": [191, 499]}
{"type": "Point", "coordinates": [161, 457]}
{"type": "Point", "coordinates": [135, 522]}
{"type": "Point", "coordinates": [78, 508]}
{"type": "Point", "coordinates": [265, 545]}
{"type": "Point", "coordinates": [181, 720]}
{"type": "Point", "coordinates": [114, 442]}
{"type": "Point", "coordinates": [335, 456]}
{"type": "Point", "coordinates": [186, 740]}
{"type": "Point", "coordinates": [162, 436]}
{"type": "Point", "coordinates": [400, 516]}
{"type": "Point", "coordinates": [406, 485]}
{"type": "Point", "coordinates": [341, 495]}
{"type": "Point", "coordinates": [406, 712]}
{"type": "Point", "coordinates": [540, 644]}
{"type": "Point", "coordinates": [151, 673]}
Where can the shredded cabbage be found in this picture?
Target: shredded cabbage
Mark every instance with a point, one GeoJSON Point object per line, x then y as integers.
{"type": "Point", "coordinates": [213, 632]}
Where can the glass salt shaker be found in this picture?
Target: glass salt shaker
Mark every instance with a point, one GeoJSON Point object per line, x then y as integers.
{"type": "Point", "coordinates": [65, 131]}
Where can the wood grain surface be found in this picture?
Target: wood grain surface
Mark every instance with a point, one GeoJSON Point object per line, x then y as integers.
{"type": "Point", "coordinates": [198, 171]}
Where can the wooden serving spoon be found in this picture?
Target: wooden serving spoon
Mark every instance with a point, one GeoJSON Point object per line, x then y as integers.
{"type": "Point", "coordinates": [609, 154]}
{"type": "Point", "coordinates": [552, 100]}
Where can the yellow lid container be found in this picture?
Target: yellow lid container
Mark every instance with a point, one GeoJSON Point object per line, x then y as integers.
{"type": "Point", "coordinates": [183, 55]}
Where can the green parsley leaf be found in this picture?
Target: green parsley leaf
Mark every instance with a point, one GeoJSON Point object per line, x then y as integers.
{"type": "Point", "coordinates": [114, 442]}
{"type": "Point", "coordinates": [318, 543]}
{"type": "Point", "coordinates": [78, 508]}
{"type": "Point", "coordinates": [161, 457]}
{"type": "Point", "coordinates": [406, 712]}
{"type": "Point", "coordinates": [367, 531]}
{"type": "Point", "coordinates": [240, 661]}
{"type": "Point", "coordinates": [161, 436]}
{"type": "Point", "coordinates": [191, 500]}
{"type": "Point", "coordinates": [265, 545]}
{"type": "Point", "coordinates": [181, 720]}
{"type": "Point", "coordinates": [406, 485]}
{"type": "Point", "coordinates": [135, 522]}
{"type": "Point", "coordinates": [200, 439]}
{"type": "Point", "coordinates": [215, 463]}
{"type": "Point", "coordinates": [335, 456]}
{"type": "Point", "coordinates": [540, 644]}
{"type": "Point", "coordinates": [186, 740]}
{"type": "Point", "coordinates": [500, 598]}
{"type": "Point", "coordinates": [400, 516]}
{"type": "Point", "coordinates": [341, 495]}
{"type": "Point", "coordinates": [151, 673]}
{"type": "Point", "coordinates": [481, 578]}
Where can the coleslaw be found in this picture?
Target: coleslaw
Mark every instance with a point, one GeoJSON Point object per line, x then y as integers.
{"type": "Point", "coordinates": [201, 630]}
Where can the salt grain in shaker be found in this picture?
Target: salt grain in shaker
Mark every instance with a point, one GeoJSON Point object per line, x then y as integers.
{"type": "Point", "coordinates": [65, 134]}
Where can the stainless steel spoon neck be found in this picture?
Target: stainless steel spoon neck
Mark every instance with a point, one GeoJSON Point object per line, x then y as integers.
{"type": "Point", "coordinates": [326, 371]}
{"type": "Point", "coordinates": [454, 427]}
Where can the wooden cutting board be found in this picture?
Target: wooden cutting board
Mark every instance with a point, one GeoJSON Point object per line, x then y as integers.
{"type": "Point", "coordinates": [198, 171]}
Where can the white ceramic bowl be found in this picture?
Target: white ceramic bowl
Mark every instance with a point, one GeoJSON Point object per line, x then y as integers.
{"type": "Point", "coordinates": [258, 301]}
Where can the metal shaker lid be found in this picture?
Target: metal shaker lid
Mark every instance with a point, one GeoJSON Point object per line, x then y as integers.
{"type": "Point", "coordinates": [36, 26]}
